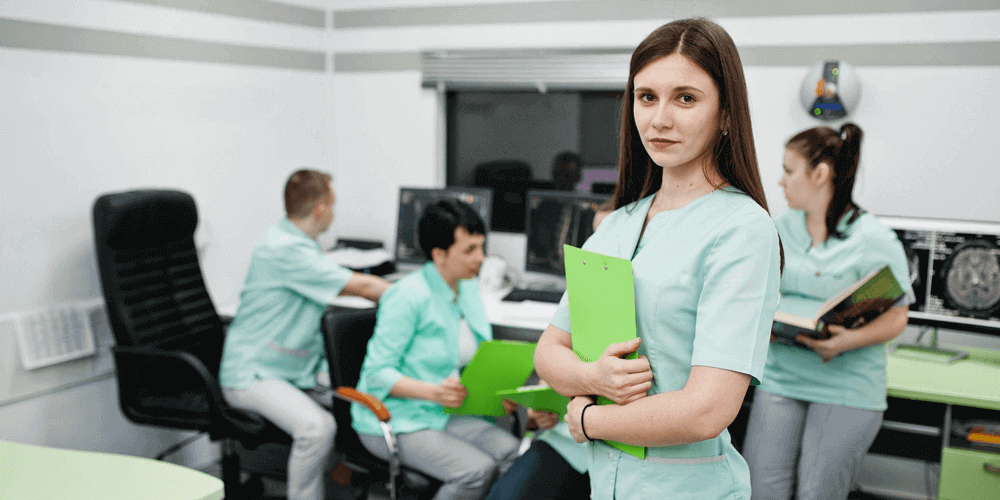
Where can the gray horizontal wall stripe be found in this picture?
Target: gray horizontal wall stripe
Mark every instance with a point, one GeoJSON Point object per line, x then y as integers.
{"type": "Point", "coordinates": [260, 10]}
{"type": "Point", "coordinates": [602, 10]}
{"type": "Point", "coordinates": [904, 54]}
{"type": "Point", "coordinates": [581, 69]}
{"type": "Point", "coordinates": [38, 36]}
{"type": "Point", "coordinates": [376, 61]}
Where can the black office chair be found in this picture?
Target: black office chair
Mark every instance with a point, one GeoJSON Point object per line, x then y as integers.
{"type": "Point", "coordinates": [346, 333]}
{"type": "Point", "coordinates": [509, 180]}
{"type": "Point", "coordinates": [168, 335]}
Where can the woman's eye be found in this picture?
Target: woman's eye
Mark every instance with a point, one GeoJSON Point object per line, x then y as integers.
{"type": "Point", "coordinates": [686, 98]}
{"type": "Point", "coordinates": [647, 97]}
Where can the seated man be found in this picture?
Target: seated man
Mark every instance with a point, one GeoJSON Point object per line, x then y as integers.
{"type": "Point", "coordinates": [273, 355]}
{"type": "Point", "coordinates": [429, 325]}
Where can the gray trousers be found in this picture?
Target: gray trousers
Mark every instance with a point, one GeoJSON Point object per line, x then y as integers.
{"type": "Point", "coordinates": [311, 426]}
{"type": "Point", "coordinates": [811, 448]}
{"type": "Point", "coordinates": [467, 456]}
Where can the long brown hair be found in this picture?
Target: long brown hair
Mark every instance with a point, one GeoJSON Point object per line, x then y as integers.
{"type": "Point", "coordinates": [842, 151]}
{"type": "Point", "coordinates": [707, 45]}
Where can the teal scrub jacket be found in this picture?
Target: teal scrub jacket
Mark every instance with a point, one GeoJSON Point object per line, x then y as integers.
{"type": "Point", "coordinates": [706, 286]}
{"type": "Point", "coordinates": [855, 378]}
{"type": "Point", "coordinates": [416, 336]}
{"type": "Point", "coordinates": [276, 334]}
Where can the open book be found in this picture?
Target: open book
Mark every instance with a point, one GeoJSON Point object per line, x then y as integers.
{"type": "Point", "coordinates": [852, 307]}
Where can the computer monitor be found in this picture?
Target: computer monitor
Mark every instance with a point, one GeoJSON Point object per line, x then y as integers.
{"type": "Point", "coordinates": [954, 269]}
{"type": "Point", "coordinates": [555, 218]}
{"type": "Point", "coordinates": [412, 202]}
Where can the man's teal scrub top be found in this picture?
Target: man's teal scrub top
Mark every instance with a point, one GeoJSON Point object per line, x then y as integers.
{"type": "Point", "coordinates": [706, 286]}
{"type": "Point", "coordinates": [855, 378]}
{"type": "Point", "coordinates": [276, 331]}
{"type": "Point", "coordinates": [416, 336]}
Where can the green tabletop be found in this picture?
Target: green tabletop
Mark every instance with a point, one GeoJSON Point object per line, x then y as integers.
{"type": "Point", "coordinates": [973, 381]}
{"type": "Point", "coordinates": [41, 473]}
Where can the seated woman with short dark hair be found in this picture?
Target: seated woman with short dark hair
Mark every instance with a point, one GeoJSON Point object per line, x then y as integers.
{"type": "Point", "coordinates": [429, 325]}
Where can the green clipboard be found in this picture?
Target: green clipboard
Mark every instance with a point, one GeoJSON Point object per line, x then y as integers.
{"type": "Point", "coordinates": [497, 365]}
{"type": "Point", "coordinates": [601, 309]}
{"type": "Point", "coordinates": [537, 397]}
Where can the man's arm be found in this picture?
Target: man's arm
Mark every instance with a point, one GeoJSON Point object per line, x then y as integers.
{"type": "Point", "coordinates": [365, 285]}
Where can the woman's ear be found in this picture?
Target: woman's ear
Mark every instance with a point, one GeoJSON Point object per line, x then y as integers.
{"type": "Point", "coordinates": [437, 255]}
{"type": "Point", "coordinates": [822, 173]}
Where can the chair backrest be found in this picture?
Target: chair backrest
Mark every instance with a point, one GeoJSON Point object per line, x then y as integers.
{"type": "Point", "coordinates": [346, 333]}
{"type": "Point", "coordinates": [152, 282]}
{"type": "Point", "coordinates": [510, 181]}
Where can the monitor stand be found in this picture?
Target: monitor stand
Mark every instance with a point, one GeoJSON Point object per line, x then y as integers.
{"type": "Point", "coordinates": [932, 352]}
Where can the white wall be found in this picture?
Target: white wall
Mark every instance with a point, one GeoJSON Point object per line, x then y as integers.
{"type": "Point", "coordinates": [75, 125]}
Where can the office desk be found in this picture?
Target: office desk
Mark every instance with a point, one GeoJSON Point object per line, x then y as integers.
{"type": "Point", "coordinates": [42, 473]}
{"type": "Point", "coordinates": [968, 389]}
{"type": "Point", "coordinates": [517, 320]}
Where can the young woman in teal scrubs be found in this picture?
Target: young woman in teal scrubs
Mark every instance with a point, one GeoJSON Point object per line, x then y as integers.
{"type": "Point", "coordinates": [817, 411]}
{"type": "Point", "coordinates": [691, 216]}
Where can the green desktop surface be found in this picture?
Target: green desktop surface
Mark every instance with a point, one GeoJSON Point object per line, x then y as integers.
{"type": "Point", "coordinates": [973, 381]}
{"type": "Point", "coordinates": [38, 472]}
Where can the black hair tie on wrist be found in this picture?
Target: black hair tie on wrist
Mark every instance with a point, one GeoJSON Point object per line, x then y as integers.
{"type": "Point", "coordinates": [582, 428]}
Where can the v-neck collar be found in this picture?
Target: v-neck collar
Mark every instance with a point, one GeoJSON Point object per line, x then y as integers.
{"type": "Point", "coordinates": [633, 227]}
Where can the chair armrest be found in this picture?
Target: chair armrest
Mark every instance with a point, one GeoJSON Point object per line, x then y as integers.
{"type": "Point", "coordinates": [371, 402]}
{"type": "Point", "coordinates": [173, 379]}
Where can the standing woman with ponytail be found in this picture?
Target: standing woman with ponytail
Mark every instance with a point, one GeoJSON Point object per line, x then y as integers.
{"type": "Point", "coordinates": [817, 411]}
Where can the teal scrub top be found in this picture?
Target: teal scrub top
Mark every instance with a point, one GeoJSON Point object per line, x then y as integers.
{"type": "Point", "coordinates": [855, 378]}
{"type": "Point", "coordinates": [276, 331]}
{"type": "Point", "coordinates": [560, 439]}
{"type": "Point", "coordinates": [416, 336]}
{"type": "Point", "coordinates": [706, 286]}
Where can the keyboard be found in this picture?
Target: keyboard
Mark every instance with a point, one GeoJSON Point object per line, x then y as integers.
{"type": "Point", "coordinates": [536, 294]}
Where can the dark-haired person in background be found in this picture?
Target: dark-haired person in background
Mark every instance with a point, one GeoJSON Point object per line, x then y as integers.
{"type": "Point", "coordinates": [690, 214]}
{"type": "Point", "coordinates": [273, 354]}
{"type": "Point", "coordinates": [429, 325]}
{"type": "Point", "coordinates": [816, 412]}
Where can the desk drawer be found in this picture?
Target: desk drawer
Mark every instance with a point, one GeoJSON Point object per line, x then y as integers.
{"type": "Point", "coordinates": [969, 475]}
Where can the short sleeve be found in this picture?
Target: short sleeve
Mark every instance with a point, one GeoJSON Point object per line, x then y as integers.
{"type": "Point", "coordinates": [309, 273]}
{"type": "Point", "coordinates": [738, 298]}
{"type": "Point", "coordinates": [883, 247]}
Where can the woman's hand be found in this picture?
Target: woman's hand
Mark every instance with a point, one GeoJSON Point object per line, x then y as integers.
{"type": "Point", "coordinates": [541, 419]}
{"type": "Point", "coordinates": [509, 406]}
{"type": "Point", "coordinates": [450, 393]}
{"type": "Point", "coordinates": [573, 417]}
{"type": "Point", "coordinates": [829, 348]}
{"type": "Point", "coordinates": [622, 380]}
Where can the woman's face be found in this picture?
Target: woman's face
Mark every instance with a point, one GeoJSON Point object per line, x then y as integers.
{"type": "Point", "coordinates": [798, 181]}
{"type": "Point", "coordinates": [676, 109]}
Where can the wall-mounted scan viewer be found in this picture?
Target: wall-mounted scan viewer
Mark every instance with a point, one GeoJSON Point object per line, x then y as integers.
{"type": "Point", "coordinates": [954, 271]}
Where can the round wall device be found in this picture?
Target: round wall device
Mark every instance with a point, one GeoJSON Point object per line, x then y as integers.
{"type": "Point", "coordinates": [830, 90]}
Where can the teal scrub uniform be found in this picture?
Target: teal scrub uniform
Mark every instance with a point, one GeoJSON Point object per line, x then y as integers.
{"type": "Point", "coordinates": [562, 441]}
{"type": "Point", "coordinates": [706, 286]}
{"type": "Point", "coordinates": [855, 378]}
{"type": "Point", "coordinates": [275, 334]}
{"type": "Point", "coordinates": [416, 336]}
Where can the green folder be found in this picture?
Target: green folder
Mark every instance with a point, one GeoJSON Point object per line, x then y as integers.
{"type": "Point", "coordinates": [601, 309]}
{"type": "Point", "coordinates": [537, 397]}
{"type": "Point", "coordinates": [497, 365]}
